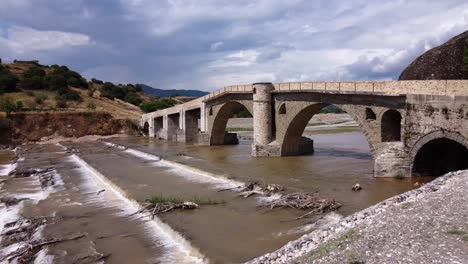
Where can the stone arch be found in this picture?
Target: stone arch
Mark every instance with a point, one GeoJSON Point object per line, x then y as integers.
{"type": "Point", "coordinates": [291, 138]}
{"type": "Point", "coordinates": [218, 136]}
{"type": "Point", "coordinates": [370, 114]}
{"type": "Point", "coordinates": [282, 109]}
{"type": "Point", "coordinates": [439, 152]}
{"type": "Point", "coordinates": [391, 126]}
{"type": "Point", "coordinates": [145, 128]}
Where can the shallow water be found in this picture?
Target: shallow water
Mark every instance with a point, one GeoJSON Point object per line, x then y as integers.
{"type": "Point", "coordinates": [233, 232]}
{"type": "Point", "coordinates": [339, 162]}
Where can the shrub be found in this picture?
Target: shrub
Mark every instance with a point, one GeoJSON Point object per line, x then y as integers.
{"type": "Point", "coordinates": [133, 98]}
{"type": "Point", "coordinates": [157, 104]}
{"type": "Point", "coordinates": [7, 105]}
{"type": "Point", "coordinates": [40, 98]}
{"type": "Point", "coordinates": [61, 104]}
{"type": "Point", "coordinates": [93, 80]}
{"type": "Point", "coordinates": [91, 91]}
{"type": "Point", "coordinates": [56, 82]}
{"type": "Point", "coordinates": [19, 105]}
{"type": "Point", "coordinates": [8, 81]}
{"type": "Point", "coordinates": [91, 106]}
{"type": "Point", "coordinates": [67, 94]}
{"type": "Point", "coordinates": [138, 88]}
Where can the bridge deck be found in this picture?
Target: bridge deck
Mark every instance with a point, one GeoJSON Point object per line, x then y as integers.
{"type": "Point", "coordinates": [389, 88]}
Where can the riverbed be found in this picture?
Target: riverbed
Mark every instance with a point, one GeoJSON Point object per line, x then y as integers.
{"type": "Point", "coordinates": [236, 230]}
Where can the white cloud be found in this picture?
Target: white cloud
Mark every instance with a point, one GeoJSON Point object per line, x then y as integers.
{"type": "Point", "coordinates": [22, 39]}
{"type": "Point", "coordinates": [215, 46]}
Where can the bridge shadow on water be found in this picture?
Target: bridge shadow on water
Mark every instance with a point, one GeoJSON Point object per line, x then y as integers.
{"type": "Point", "coordinates": [327, 152]}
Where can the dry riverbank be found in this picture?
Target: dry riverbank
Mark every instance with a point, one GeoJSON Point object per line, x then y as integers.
{"type": "Point", "coordinates": [426, 225]}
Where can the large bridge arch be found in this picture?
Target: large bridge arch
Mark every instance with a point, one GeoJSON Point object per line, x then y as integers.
{"type": "Point", "coordinates": [292, 119]}
{"type": "Point", "coordinates": [218, 116]}
{"type": "Point", "coordinates": [439, 152]}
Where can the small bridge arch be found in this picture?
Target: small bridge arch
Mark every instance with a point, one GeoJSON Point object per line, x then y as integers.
{"type": "Point", "coordinates": [439, 152]}
{"type": "Point", "coordinates": [292, 125]}
{"type": "Point", "coordinates": [219, 116]}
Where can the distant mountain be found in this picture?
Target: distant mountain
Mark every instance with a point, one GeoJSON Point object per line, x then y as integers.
{"type": "Point", "coordinates": [167, 93]}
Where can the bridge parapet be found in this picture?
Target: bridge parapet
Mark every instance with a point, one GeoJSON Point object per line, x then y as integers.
{"type": "Point", "coordinates": [391, 88]}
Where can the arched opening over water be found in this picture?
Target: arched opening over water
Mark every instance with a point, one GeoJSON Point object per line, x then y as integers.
{"type": "Point", "coordinates": [391, 126]}
{"type": "Point", "coordinates": [239, 118]}
{"type": "Point", "coordinates": [370, 114]}
{"type": "Point", "coordinates": [439, 156]}
{"type": "Point", "coordinates": [326, 122]}
{"type": "Point", "coordinates": [145, 129]}
{"type": "Point", "coordinates": [158, 126]}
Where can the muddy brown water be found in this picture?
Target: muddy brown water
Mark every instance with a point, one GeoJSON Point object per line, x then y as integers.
{"type": "Point", "coordinates": [340, 161]}
{"type": "Point", "coordinates": [233, 232]}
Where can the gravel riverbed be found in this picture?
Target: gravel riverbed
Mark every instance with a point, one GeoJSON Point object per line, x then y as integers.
{"type": "Point", "coordinates": [425, 225]}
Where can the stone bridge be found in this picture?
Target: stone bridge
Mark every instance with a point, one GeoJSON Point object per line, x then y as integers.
{"type": "Point", "coordinates": [414, 128]}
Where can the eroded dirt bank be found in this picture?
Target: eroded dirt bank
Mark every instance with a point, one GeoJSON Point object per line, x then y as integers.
{"type": "Point", "coordinates": [19, 128]}
{"type": "Point", "coordinates": [426, 225]}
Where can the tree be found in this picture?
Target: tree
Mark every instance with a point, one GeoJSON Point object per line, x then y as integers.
{"type": "Point", "coordinates": [56, 82]}
{"type": "Point", "coordinates": [8, 81]}
{"type": "Point", "coordinates": [157, 104]}
{"type": "Point", "coordinates": [7, 105]}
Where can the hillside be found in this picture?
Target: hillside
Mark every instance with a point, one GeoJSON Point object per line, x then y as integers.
{"type": "Point", "coordinates": [27, 86]}
{"type": "Point", "coordinates": [449, 61]}
{"type": "Point", "coordinates": [172, 92]}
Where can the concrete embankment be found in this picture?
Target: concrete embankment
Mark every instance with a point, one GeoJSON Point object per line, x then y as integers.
{"type": "Point", "coordinates": [426, 225]}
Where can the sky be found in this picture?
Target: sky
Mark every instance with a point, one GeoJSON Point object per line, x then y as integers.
{"type": "Point", "coordinates": [208, 44]}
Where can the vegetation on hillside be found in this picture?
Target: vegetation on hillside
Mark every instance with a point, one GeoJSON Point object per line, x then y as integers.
{"type": "Point", "coordinates": [32, 86]}
{"type": "Point", "coordinates": [157, 104]}
{"type": "Point", "coordinates": [8, 81]}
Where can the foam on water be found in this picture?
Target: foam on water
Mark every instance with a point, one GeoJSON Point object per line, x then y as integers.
{"type": "Point", "coordinates": [177, 248]}
{"type": "Point", "coordinates": [187, 172]}
{"type": "Point", "coordinates": [33, 195]}
{"type": "Point", "coordinates": [6, 169]}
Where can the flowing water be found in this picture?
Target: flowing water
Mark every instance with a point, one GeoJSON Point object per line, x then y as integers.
{"type": "Point", "coordinates": [240, 228]}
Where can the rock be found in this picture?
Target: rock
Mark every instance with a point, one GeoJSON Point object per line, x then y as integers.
{"type": "Point", "coordinates": [356, 187]}
{"type": "Point", "coordinates": [441, 63]}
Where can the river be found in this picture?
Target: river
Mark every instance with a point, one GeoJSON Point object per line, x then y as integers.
{"type": "Point", "coordinates": [240, 228]}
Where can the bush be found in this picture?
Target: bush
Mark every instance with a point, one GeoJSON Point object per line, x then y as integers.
{"type": "Point", "coordinates": [61, 104]}
{"type": "Point", "coordinates": [7, 105]}
{"type": "Point", "coordinates": [91, 106]}
{"type": "Point", "coordinates": [19, 105]}
{"type": "Point", "coordinates": [56, 82]}
{"type": "Point", "coordinates": [40, 98]}
{"type": "Point", "coordinates": [93, 80]}
{"type": "Point", "coordinates": [157, 104]}
{"type": "Point", "coordinates": [8, 81]}
{"type": "Point", "coordinates": [138, 88]}
{"type": "Point", "coordinates": [67, 94]}
{"type": "Point", "coordinates": [133, 98]}
{"type": "Point", "coordinates": [91, 91]}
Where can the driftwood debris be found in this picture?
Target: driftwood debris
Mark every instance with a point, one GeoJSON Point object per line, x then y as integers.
{"type": "Point", "coordinates": [305, 201]}
{"type": "Point", "coordinates": [24, 173]}
{"type": "Point", "coordinates": [9, 201]}
{"type": "Point", "coordinates": [26, 253]}
{"type": "Point", "coordinates": [158, 208]}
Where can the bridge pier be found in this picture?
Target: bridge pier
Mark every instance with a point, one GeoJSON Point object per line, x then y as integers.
{"type": "Point", "coordinates": [263, 122]}
{"type": "Point", "coordinates": [391, 160]}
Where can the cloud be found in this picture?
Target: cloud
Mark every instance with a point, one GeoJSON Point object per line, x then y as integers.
{"type": "Point", "coordinates": [23, 39]}
{"type": "Point", "coordinates": [214, 43]}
